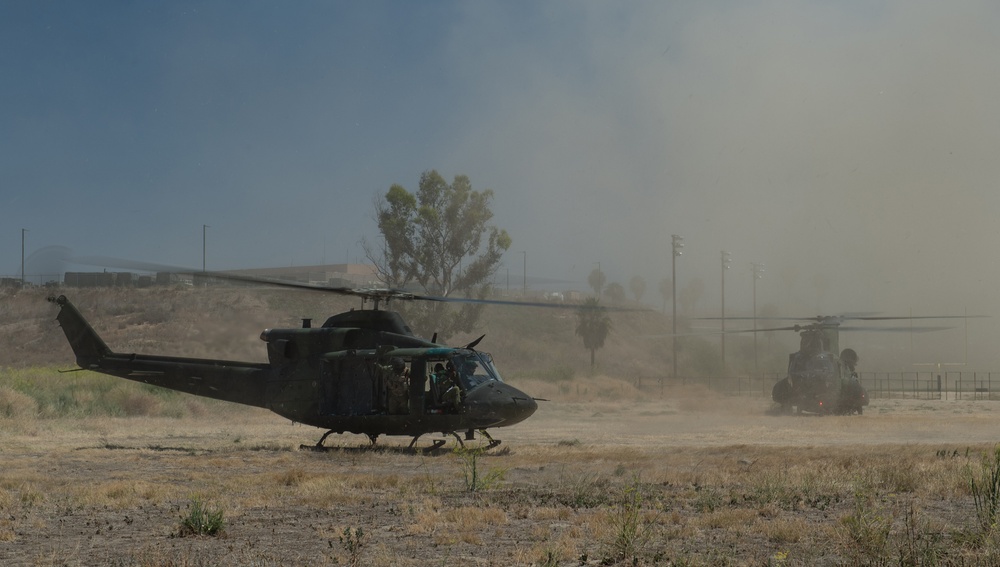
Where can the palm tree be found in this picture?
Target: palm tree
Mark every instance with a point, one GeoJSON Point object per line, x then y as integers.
{"type": "Point", "coordinates": [596, 280]}
{"type": "Point", "coordinates": [638, 287]}
{"type": "Point", "coordinates": [594, 325]}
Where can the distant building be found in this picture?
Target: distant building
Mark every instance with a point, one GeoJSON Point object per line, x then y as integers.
{"type": "Point", "coordinates": [346, 275]}
{"type": "Point", "coordinates": [89, 279]}
{"type": "Point", "coordinates": [338, 275]}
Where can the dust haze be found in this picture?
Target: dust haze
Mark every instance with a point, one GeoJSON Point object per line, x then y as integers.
{"type": "Point", "coordinates": [848, 147]}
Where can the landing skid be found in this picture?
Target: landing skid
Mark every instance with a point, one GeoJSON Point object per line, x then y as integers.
{"type": "Point", "coordinates": [493, 442]}
{"type": "Point", "coordinates": [319, 446]}
{"type": "Point", "coordinates": [469, 436]}
{"type": "Point", "coordinates": [437, 444]}
{"type": "Point", "coordinates": [434, 447]}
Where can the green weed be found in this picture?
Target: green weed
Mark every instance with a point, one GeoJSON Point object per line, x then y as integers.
{"type": "Point", "coordinates": [984, 485]}
{"type": "Point", "coordinates": [630, 530]}
{"type": "Point", "coordinates": [202, 520]}
{"type": "Point", "coordinates": [475, 479]}
{"type": "Point", "coordinates": [353, 542]}
{"type": "Point", "coordinates": [867, 529]}
{"type": "Point", "coordinates": [586, 490]}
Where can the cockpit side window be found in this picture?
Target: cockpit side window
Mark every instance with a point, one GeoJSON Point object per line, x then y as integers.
{"type": "Point", "coordinates": [473, 370]}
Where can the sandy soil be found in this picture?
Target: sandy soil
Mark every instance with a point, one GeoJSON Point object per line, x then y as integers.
{"type": "Point", "coordinates": [692, 422]}
{"type": "Point", "coordinates": [114, 491]}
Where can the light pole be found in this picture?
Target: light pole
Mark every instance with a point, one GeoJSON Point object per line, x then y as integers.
{"type": "Point", "coordinates": [204, 229]}
{"type": "Point", "coordinates": [23, 230]}
{"type": "Point", "coordinates": [726, 259]}
{"type": "Point", "coordinates": [524, 291]}
{"type": "Point", "coordinates": [758, 270]}
{"type": "Point", "coordinates": [677, 243]}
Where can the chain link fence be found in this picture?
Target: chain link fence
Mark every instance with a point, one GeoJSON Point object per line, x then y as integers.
{"type": "Point", "coordinates": [880, 385]}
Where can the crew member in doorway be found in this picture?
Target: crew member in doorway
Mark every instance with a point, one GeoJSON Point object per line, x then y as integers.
{"type": "Point", "coordinates": [399, 387]}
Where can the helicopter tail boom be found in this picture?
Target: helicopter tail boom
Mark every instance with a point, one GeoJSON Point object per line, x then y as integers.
{"type": "Point", "coordinates": [240, 382]}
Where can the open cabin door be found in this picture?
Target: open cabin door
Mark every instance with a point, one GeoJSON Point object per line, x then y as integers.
{"type": "Point", "coordinates": [353, 387]}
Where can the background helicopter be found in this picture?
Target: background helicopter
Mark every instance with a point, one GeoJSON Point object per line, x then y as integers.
{"type": "Point", "coordinates": [339, 377]}
{"type": "Point", "coordinates": [822, 378]}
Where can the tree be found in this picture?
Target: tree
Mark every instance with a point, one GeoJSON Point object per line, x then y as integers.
{"type": "Point", "coordinates": [593, 325]}
{"type": "Point", "coordinates": [440, 240]}
{"type": "Point", "coordinates": [596, 281]}
{"type": "Point", "coordinates": [615, 292]}
{"type": "Point", "coordinates": [690, 294]}
{"type": "Point", "coordinates": [637, 286]}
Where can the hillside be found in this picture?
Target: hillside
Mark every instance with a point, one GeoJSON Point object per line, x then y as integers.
{"type": "Point", "coordinates": [536, 348]}
{"type": "Point", "coordinates": [226, 323]}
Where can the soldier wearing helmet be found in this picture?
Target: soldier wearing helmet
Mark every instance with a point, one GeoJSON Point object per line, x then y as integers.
{"type": "Point", "coordinates": [398, 386]}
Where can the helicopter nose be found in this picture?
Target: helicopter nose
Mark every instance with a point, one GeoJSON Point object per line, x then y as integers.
{"type": "Point", "coordinates": [500, 403]}
{"type": "Point", "coordinates": [526, 405]}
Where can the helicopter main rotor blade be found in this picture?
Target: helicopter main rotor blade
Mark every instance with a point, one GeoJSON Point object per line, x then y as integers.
{"type": "Point", "coordinates": [920, 317]}
{"type": "Point", "coordinates": [800, 328]}
{"type": "Point", "coordinates": [894, 329]}
{"type": "Point", "coordinates": [836, 319]}
{"type": "Point", "coordinates": [546, 305]}
{"type": "Point", "coordinates": [109, 262]}
{"type": "Point", "coordinates": [377, 294]}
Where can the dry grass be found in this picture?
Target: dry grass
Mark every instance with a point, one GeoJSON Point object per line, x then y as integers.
{"type": "Point", "coordinates": [558, 504]}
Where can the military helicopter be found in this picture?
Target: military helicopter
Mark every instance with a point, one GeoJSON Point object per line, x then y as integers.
{"type": "Point", "coordinates": [819, 380]}
{"type": "Point", "coordinates": [344, 377]}
{"type": "Point", "coordinates": [823, 379]}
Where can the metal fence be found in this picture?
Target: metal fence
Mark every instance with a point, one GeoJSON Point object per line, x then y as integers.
{"type": "Point", "coordinates": [880, 385]}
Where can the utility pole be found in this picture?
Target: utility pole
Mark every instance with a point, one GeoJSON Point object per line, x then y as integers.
{"type": "Point", "coordinates": [23, 230]}
{"type": "Point", "coordinates": [677, 243]}
{"type": "Point", "coordinates": [204, 229]}
{"type": "Point", "coordinates": [726, 260]}
{"type": "Point", "coordinates": [758, 270]}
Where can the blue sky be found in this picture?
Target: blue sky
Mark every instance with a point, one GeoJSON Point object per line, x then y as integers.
{"type": "Point", "coordinates": [851, 147]}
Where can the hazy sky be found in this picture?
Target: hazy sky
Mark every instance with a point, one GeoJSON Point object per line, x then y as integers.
{"type": "Point", "coordinates": [852, 147]}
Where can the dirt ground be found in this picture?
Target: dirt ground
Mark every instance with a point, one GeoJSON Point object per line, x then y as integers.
{"type": "Point", "coordinates": [690, 481]}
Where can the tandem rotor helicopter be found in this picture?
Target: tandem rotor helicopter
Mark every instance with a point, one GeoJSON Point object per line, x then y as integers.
{"type": "Point", "coordinates": [362, 372]}
{"type": "Point", "coordinates": [821, 378]}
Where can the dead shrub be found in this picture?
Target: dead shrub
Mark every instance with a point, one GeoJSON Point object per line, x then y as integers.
{"type": "Point", "coordinates": [139, 404]}
{"type": "Point", "coordinates": [782, 530]}
{"type": "Point", "coordinates": [14, 404]}
{"type": "Point", "coordinates": [292, 477]}
{"type": "Point", "coordinates": [196, 408]}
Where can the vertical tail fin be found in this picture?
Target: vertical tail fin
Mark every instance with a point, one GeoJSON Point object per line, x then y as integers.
{"type": "Point", "coordinates": [87, 345]}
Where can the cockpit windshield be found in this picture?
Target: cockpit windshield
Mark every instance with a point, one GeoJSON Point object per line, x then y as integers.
{"type": "Point", "coordinates": [474, 369]}
{"type": "Point", "coordinates": [821, 365]}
